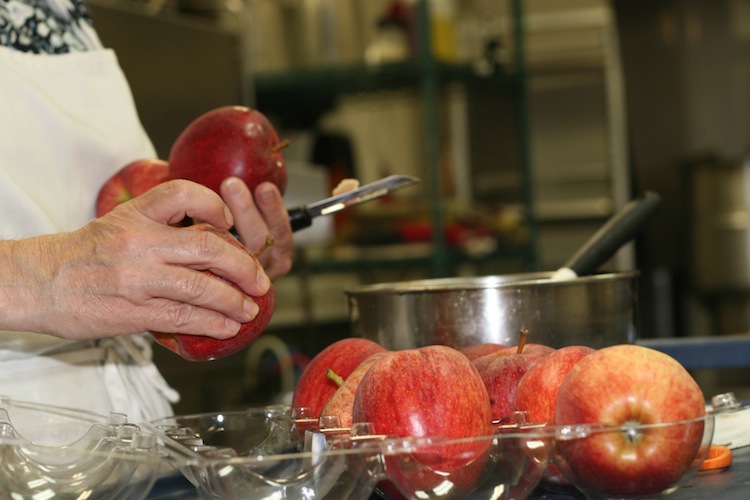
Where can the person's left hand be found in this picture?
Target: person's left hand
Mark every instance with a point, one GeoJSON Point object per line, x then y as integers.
{"type": "Point", "coordinates": [255, 216]}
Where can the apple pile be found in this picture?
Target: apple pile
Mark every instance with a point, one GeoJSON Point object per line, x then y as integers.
{"type": "Point", "coordinates": [227, 141]}
{"type": "Point", "coordinates": [423, 392]}
{"type": "Point", "coordinates": [440, 391]}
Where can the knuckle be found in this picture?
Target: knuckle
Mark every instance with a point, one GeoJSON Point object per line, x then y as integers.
{"type": "Point", "coordinates": [181, 315]}
{"type": "Point", "coordinates": [196, 285]}
{"type": "Point", "coordinates": [179, 189]}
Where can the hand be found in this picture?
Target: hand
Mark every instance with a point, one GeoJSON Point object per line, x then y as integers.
{"type": "Point", "coordinates": [131, 271]}
{"type": "Point", "coordinates": [255, 216]}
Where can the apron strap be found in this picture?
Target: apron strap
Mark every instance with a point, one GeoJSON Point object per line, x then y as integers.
{"type": "Point", "coordinates": [133, 382]}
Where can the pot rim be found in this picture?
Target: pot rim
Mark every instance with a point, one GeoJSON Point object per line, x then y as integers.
{"type": "Point", "coordinates": [536, 279]}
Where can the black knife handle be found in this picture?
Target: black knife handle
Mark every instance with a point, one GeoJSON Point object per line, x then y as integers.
{"type": "Point", "coordinates": [299, 218]}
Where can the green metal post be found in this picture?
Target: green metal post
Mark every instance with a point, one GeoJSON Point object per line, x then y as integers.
{"type": "Point", "coordinates": [431, 96]}
{"type": "Point", "coordinates": [519, 38]}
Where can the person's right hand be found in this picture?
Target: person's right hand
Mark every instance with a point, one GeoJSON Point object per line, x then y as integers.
{"type": "Point", "coordinates": [131, 271]}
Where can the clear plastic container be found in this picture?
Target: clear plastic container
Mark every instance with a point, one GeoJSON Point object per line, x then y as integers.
{"type": "Point", "coordinates": [51, 452]}
{"type": "Point", "coordinates": [276, 452]}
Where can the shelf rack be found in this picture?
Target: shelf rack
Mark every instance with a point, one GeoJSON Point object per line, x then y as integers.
{"type": "Point", "coordinates": [309, 92]}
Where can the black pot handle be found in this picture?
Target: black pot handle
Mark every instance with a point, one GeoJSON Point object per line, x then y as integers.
{"type": "Point", "coordinates": [618, 230]}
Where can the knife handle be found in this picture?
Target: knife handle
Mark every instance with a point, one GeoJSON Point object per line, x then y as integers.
{"type": "Point", "coordinates": [299, 218]}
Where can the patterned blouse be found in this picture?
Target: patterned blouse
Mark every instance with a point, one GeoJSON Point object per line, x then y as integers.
{"type": "Point", "coordinates": [46, 26]}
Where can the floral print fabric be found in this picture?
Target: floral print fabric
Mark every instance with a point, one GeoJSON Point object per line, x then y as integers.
{"type": "Point", "coordinates": [46, 26]}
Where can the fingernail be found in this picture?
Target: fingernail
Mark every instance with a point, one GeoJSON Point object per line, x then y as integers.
{"type": "Point", "coordinates": [251, 308]}
{"type": "Point", "coordinates": [228, 216]}
{"type": "Point", "coordinates": [233, 186]}
{"type": "Point", "coordinates": [232, 325]}
{"type": "Point", "coordinates": [262, 279]}
{"type": "Point", "coordinates": [266, 193]}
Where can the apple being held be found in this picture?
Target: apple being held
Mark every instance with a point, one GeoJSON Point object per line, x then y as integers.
{"type": "Point", "coordinates": [341, 403]}
{"type": "Point", "coordinates": [229, 141]}
{"type": "Point", "coordinates": [314, 388]}
{"type": "Point", "coordinates": [130, 181]}
{"type": "Point", "coordinates": [204, 348]}
{"type": "Point", "coordinates": [502, 370]}
{"type": "Point", "coordinates": [427, 392]}
{"type": "Point", "coordinates": [630, 387]}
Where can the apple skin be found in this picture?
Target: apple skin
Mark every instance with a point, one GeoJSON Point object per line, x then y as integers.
{"type": "Point", "coordinates": [428, 392]}
{"type": "Point", "coordinates": [528, 349]}
{"type": "Point", "coordinates": [130, 181]}
{"type": "Point", "coordinates": [502, 370]}
{"type": "Point", "coordinates": [536, 393]}
{"type": "Point", "coordinates": [625, 385]}
{"type": "Point", "coordinates": [314, 389]}
{"type": "Point", "coordinates": [229, 141]}
{"type": "Point", "coordinates": [341, 403]}
{"type": "Point", "coordinates": [478, 350]}
{"type": "Point", "coordinates": [204, 348]}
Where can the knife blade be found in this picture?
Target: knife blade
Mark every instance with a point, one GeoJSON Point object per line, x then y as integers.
{"type": "Point", "coordinates": [302, 216]}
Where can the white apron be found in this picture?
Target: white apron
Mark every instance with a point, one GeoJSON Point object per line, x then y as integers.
{"type": "Point", "coordinates": [67, 123]}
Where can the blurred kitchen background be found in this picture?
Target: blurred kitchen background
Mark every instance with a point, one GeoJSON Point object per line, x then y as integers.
{"type": "Point", "coordinates": [529, 123]}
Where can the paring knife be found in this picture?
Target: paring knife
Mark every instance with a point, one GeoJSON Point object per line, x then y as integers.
{"type": "Point", "coordinates": [302, 216]}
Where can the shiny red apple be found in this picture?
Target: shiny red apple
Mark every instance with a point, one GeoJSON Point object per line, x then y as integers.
{"type": "Point", "coordinates": [502, 370]}
{"type": "Point", "coordinates": [204, 348]}
{"type": "Point", "coordinates": [130, 181]}
{"type": "Point", "coordinates": [627, 387]}
{"type": "Point", "coordinates": [229, 141]}
{"type": "Point", "coordinates": [314, 388]}
{"type": "Point", "coordinates": [341, 404]}
{"type": "Point", "coordinates": [536, 393]}
{"type": "Point", "coordinates": [431, 391]}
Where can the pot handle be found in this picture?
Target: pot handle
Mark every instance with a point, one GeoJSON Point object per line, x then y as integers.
{"type": "Point", "coordinates": [618, 230]}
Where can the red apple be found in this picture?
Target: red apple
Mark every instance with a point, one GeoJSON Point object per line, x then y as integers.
{"type": "Point", "coordinates": [341, 403]}
{"type": "Point", "coordinates": [229, 141]}
{"type": "Point", "coordinates": [502, 370]}
{"type": "Point", "coordinates": [428, 392]}
{"type": "Point", "coordinates": [314, 388]}
{"type": "Point", "coordinates": [204, 348]}
{"type": "Point", "coordinates": [536, 393]}
{"type": "Point", "coordinates": [478, 350]}
{"type": "Point", "coordinates": [130, 181]}
{"type": "Point", "coordinates": [625, 386]}
{"type": "Point", "coordinates": [533, 350]}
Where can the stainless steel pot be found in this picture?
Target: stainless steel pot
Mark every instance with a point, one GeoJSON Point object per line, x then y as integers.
{"type": "Point", "coordinates": [569, 306]}
{"type": "Point", "coordinates": [595, 310]}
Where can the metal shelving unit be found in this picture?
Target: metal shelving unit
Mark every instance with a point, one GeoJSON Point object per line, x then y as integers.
{"type": "Point", "coordinates": [306, 93]}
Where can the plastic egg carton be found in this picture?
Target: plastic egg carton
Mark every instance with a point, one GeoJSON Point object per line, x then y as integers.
{"type": "Point", "coordinates": [51, 452]}
{"type": "Point", "coordinates": [276, 452]}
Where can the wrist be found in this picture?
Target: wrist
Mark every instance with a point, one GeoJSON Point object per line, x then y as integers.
{"type": "Point", "coordinates": [23, 264]}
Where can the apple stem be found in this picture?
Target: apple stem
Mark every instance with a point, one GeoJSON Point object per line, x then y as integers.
{"type": "Point", "coordinates": [280, 145]}
{"type": "Point", "coordinates": [522, 340]}
{"type": "Point", "coordinates": [335, 377]}
{"type": "Point", "coordinates": [270, 240]}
